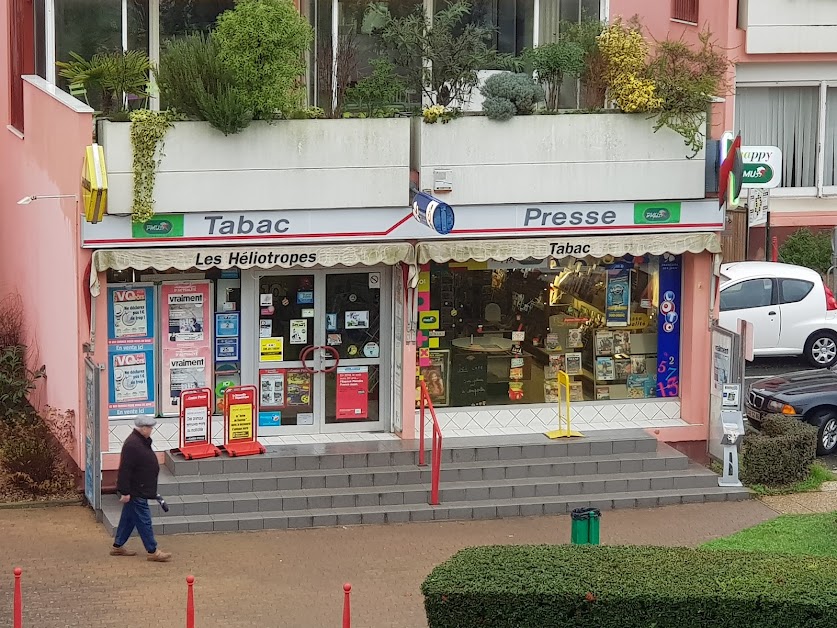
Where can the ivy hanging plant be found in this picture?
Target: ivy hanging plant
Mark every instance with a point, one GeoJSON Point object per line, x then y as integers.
{"type": "Point", "coordinates": [148, 130]}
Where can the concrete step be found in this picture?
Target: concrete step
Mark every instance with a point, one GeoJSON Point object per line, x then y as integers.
{"type": "Point", "coordinates": [489, 509]}
{"type": "Point", "coordinates": [665, 459]}
{"type": "Point", "coordinates": [400, 453]}
{"type": "Point", "coordinates": [359, 497]}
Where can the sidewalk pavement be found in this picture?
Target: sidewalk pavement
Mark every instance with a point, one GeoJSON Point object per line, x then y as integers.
{"type": "Point", "coordinates": [824, 500]}
{"type": "Point", "coordinates": [287, 578]}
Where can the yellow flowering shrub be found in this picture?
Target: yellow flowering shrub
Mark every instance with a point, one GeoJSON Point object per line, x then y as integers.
{"type": "Point", "coordinates": [625, 54]}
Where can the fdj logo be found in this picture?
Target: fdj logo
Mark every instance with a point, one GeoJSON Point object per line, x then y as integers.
{"type": "Point", "coordinates": [656, 213]}
{"type": "Point", "coordinates": [157, 227]}
{"type": "Point", "coordinates": [757, 173]}
{"type": "Point", "coordinates": [169, 226]}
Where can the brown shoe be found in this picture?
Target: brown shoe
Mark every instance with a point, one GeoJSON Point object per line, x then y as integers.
{"type": "Point", "coordinates": [121, 551]}
{"type": "Point", "coordinates": [159, 557]}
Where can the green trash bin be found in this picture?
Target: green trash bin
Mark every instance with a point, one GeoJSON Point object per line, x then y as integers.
{"type": "Point", "coordinates": [585, 526]}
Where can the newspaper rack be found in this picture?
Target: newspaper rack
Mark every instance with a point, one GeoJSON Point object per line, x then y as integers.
{"type": "Point", "coordinates": [564, 422]}
{"type": "Point", "coordinates": [196, 424]}
{"type": "Point", "coordinates": [241, 411]}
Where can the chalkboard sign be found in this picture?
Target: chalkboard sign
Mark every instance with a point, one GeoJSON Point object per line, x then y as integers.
{"type": "Point", "coordinates": [468, 375]}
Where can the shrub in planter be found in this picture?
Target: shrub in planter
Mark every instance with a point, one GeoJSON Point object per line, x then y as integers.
{"type": "Point", "coordinates": [262, 43]}
{"type": "Point", "coordinates": [507, 95]}
{"type": "Point", "coordinates": [781, 454]}
{"type": "Point", "coordinates": [628, 587]}
{"type": "Point", "coordinates": [195, 83]}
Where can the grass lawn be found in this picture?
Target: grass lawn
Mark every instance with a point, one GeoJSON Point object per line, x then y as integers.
{"type": "Point", "coordinates": [814, 535]}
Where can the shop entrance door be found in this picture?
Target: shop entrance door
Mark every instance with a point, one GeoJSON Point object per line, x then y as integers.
{"type": "Point", "coordinates": [323, 347]}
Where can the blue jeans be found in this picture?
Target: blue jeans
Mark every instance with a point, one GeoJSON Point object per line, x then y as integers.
{"type": "Point", "coordinates": [136, 514]}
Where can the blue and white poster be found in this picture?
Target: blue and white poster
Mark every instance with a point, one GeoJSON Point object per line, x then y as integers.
{"type": "Point", "coordinates": [668, 332]}
{"type": "Point", "coordinates": [131, 331]}
{"type": "Point", "coordinates": [618, 297]}
{"type": "Point", "coordinates": [226, 350]}
{"type": "Point", "coordinates": [227, 325]}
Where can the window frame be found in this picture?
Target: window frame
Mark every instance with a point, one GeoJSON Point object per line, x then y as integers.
{"type": "Point", "coordinates": [819, 189]}
{"type": "Point", "coordinates": [782, 281]}
{"type": "Point", "coordinates": [685, 11]}
{"type": "Point", "coordinates": [774, 296]}
{"type": "Point", "coordinates": [21, 59]}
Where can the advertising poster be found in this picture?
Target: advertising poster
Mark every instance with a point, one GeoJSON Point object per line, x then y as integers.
{"type": "Point", "coordinates": [131, 383]}
{"type": "Point", "coordinates": [187, 326]}
{"type": "Point", "coordinates": [298, 392]}
{"type": "Point", "coordinates": [272, 388]}
{"type": "Point", "coordinates": [131, 350]}
{"type": "Point", "coordinates": [668, 338]}
{"type": "Point", "coordinates": [186, 311]}
{"type": "Point", "coordinates": [183, 369]}
{"type": "Point", "coordinates": [352, 392]}
{"type": "Point", "coordinates": [271, 349]}
{"type": "Point", "coordinates": [227, 325]}
{"type": "Point", "coordinates": [226, 350]}
{"type": "Point", "coordinates": [241, 421]}
{"type": "Point", "coordinates": [194, 425]}
{"type": "Point", "coordinates": [437, 377]}
{"type": "Point", "coordinates": [618, 296]}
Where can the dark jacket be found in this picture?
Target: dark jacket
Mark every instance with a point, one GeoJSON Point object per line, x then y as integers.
{"type": "Point", "coordinates": [138, 468]}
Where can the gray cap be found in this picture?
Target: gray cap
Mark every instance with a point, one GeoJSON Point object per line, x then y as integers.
{"type": "Point", "coordinates": [145, 421]}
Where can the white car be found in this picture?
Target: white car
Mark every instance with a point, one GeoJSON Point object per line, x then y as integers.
{"type": "Point", "coordinates": [792, 311]}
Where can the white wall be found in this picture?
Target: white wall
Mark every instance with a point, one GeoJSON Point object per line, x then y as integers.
{"type": "Point", "coordinates": [556, 159]}
{"type": "Point", "coordinates": [790, 26]}
{"type": "Point", "coordinates": [290, 164]}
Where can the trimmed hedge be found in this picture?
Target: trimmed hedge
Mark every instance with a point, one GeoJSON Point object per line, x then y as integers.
{"type": "Point", "coordinates": [548, 586]}
{"type": "Point", "coordinates": [781, 454]}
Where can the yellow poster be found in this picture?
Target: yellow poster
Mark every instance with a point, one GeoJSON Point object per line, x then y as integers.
{"type": "Point", "coordinates": [241, 421]}
{"type": "Point", "coordinates": [270, 349]}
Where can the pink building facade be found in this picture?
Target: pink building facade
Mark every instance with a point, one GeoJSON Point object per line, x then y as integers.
{"type": "Point", "coordinates": [246, 238]}
{"type": "Point", "coordinates": [784, 79]}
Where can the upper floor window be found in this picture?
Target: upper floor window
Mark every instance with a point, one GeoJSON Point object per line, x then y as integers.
{"type": "Point", "coordinates": [21, 56]}
{"type": "Point", "coordinates": [788, 117]}
{"type": "Point", "coordinates": [685, 10]}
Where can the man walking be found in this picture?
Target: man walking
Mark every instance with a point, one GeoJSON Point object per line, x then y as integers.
{"type": "Point", "coordinates": [135, 485]}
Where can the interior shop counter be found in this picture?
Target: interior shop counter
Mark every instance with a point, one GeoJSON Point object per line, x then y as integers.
{"type": "Point", "coordinates": [483, 344]}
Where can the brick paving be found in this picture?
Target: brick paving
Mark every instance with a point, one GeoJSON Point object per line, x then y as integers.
{"type": "Point", "coordinates": [286, 578]}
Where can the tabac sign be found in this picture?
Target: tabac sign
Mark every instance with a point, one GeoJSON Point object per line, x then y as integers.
{"type": "Point", "coordinates": [94, 184]}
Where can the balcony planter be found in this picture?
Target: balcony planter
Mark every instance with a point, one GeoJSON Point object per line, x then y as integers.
{"type": "Point", "coordinates": [607, 156]}
{"type": "Point", "coordinates": [288, 164]}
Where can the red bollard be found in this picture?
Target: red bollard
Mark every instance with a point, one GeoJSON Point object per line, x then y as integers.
{"type": "Point", "coordinates": [18, 603]}
{"type": "Point", "coordinates": [347, 605]}
{"type": "Point", "coordinates": [774, 249]}
{"type": "Point", "coordinates": [190, 602]}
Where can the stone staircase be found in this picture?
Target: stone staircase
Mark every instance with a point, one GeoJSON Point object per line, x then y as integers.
{"type": "Point", "coordinates": [301, 486]}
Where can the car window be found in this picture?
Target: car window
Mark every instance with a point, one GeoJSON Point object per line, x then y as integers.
{"type": "Point", "coordinates": [794, 290]}
{"type": "Point", "coordinates": [747, 294]}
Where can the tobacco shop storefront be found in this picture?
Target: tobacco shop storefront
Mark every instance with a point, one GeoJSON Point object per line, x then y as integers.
{"type": "Point", "coordinates": [625, 316]}
{"type": "Point", "coordinates": [318, 329]}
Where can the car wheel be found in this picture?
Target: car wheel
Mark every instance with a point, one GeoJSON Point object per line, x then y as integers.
{"type": "Point", "coordinates": [826, 420]}
{"type": "Point", "coordinates": [821, 350]}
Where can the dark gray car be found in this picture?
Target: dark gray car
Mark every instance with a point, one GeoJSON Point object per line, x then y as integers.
{"type": "Point", "coordinates": [809, 395]}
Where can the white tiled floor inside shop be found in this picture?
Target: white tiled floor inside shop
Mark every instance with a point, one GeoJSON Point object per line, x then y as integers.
{"type": "Point", "coordinates": [497, 421]}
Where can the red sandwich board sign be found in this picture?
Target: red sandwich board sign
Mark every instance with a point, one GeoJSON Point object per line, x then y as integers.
{"type": "Point", "coordinates": [196, 424]}
{"type": "Point", "coordinates": [241, 411]}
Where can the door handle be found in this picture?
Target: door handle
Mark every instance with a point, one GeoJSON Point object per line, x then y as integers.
{"type": "Point", "coordinates": [771, 313]}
